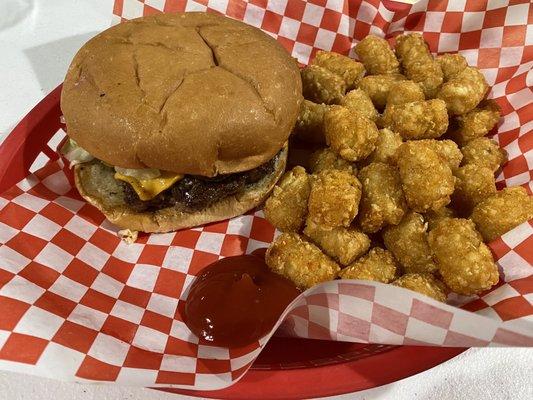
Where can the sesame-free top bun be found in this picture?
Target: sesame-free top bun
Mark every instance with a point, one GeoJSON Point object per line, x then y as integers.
{"type": "Point", "coordinates": [191, 93]}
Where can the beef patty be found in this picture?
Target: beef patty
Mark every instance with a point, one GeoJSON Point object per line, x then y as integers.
{"type": "Point", "coordinates": [195, 193]}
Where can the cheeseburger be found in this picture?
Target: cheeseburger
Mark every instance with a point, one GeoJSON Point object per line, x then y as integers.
{"type": "Point", "coordinates": [178, 120]}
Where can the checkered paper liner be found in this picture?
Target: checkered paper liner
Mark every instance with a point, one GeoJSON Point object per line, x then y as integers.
{"type": "Point", "coordinates": [76, 303]}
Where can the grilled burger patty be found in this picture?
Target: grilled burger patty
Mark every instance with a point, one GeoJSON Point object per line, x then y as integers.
{"type": "Point", "coordinates": [198, 192]}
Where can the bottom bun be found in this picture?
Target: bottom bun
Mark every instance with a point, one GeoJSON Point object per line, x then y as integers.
{"type": "Point", "coordinates": [96, 184]}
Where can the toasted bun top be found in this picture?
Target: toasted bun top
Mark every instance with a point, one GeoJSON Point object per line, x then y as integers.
{"type": "Point", "coordinates": [191, 93]}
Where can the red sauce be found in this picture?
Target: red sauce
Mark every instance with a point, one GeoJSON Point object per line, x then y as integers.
{"type": "Point", "coordinates": [237, 300]}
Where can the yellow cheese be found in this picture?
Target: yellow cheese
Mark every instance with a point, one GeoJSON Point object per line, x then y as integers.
{"type": "Point", "coordinates": [147, 189]}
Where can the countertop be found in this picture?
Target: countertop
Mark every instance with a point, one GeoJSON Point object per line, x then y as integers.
{"type": "Point", "coordinates": [38, 38]}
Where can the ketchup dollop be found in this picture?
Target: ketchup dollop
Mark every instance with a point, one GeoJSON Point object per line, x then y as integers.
{"type": "Point", "coordinates": [237, 300]}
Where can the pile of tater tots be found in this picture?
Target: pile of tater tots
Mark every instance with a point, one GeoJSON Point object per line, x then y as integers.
{"type": "Point", "coordinates": [402, 189]}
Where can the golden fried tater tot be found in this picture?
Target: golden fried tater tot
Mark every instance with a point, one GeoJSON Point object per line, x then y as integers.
{"type": "Point", "coordinates": [321, 85]}
{"type": "Point", "coordinates": [502, 212]}
{"type": "Point", "coordinates": [405, 92]}
{"type": "Point", "coordinates": [310, 124]}
{"type": "Point", "coordinates": [378, 87]}
{"type": "Point", "coordinates": [476, 123]}
{"type": "Point", "coordinates": [485, 152]}
{"type": "Point", "coordinates": [427, 179]}
{"type": "Point", "coordinates": [451, 65]}
{"type": "Point", "coordinates": [446, 149]}
{"type": "Point", "coordinates": [358, 101]}
{"type": "Point", "coordinates": [408, 241]}
{"type": "Point", "coordinates": [425, 284]}
{"type": "Point", "coordinates": [377, 56]}
{"type": "Point", "coordinates": [350, 70]}
{"type": "Point", "coordinates": [286, 208]}
{"type": "Point", "coordinates": [334, 198]}
{"type": "Point", "coordinates": [300, 261]}
{"type": "Point", "coordinates": [474, 183]}
{"type": "Point", "coordinates": [349, 134]}
{"type": "Point", "coordinates": [326, 158]}
{"type": "Point", "coordinates": [418, 119]}
{"type": "Point", "coordinates": [465, 262]}
{"type": "Point", "coordinates": [433, 217]}
{"type": "Point", "coordinates": [377, 265]}
{"type": "Point", "coordinates": [344, 245]}
{"type": "Point", "coordinates": [418, 63]}
{"type": "Point", "coordinates": [386, 146]}
{"type": "Point", "coordinates": [382, 201]}
{"type": "Point", "coordinates": [464, 91]}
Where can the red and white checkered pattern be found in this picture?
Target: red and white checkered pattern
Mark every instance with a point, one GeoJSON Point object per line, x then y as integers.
{"type": "Point", "coordinates": [79, 304]}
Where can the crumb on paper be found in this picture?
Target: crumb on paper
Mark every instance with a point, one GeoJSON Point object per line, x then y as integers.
{"type": "Point", "coordinates": [128, 236]}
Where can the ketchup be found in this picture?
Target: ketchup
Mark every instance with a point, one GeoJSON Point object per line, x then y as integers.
{"type": "Point", "coordinates": [237, 300]}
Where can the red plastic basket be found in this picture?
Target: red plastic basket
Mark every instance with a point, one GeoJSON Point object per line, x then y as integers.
{"type": "Point", "coordinates": [287, 368]}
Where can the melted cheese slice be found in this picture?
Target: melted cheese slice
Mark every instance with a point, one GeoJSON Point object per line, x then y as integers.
{"type": "Point", "coordinates": [147, 189]}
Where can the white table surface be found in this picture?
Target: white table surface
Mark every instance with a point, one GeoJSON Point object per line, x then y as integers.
{"type": "Point", "coordinates": [38, 38]}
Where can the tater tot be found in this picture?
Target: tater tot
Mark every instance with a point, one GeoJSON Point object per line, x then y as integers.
{"type": "Point", "coordinates": [377, 56]}
{"type": "Point", "coordinates": [378, 87]}
{"type": "Point", "coordinates": [476, 123]}
{"type": "Point", "coordinates": [286, 208]}
{"type": "Point", "coordinates": [321, 85]}
{"type": "Point", "coordinates": [433, 217]}
{"type": "Point", "coordinates": [382, 201]}
{"type": "Point", "coordinates": [465, 262]}
{"type": "Point", "coordinates": [334, 198]}
{"type": "Point", "coordinates": [502, 212]}
{"type": "Point", "coordinates": [451, 65]}
{"type": "Point", "coordinates": [425, 284]}
{"type": "Point", "coordinates": [358, 101]}
{"type": "Point", "coordinates": [408, 241]}
{"type": "Point", "coordinates": [464, 91]}
{"type": "Point", "coordinates": [405, 92]}
{"type": "Point", "coordinates": [446, 149]}
{"type": "Point", "coordinates": [344, 245]}
{"type": "Point", "coordinates": [377, 265]}
{"type": "Point", "coordinates": [427, 180]}
{"type": "Point", "coordinates": [484, 151]}
{"type": "Point", "coordinates": [300, 261]}
{"type": "Point", "coordinates": [310, 124]}
{"type": "Point", "coordinates": [386, 146]}
{"type": "Point", "coordinates": [349, 134]}
{"type": "Point", "coordinates": [325, 158]}
{"type": "Point", "coordinates": [418, 119]}
{"type": "Point", "coordinates": [418, 63]}
{"type": "Point", "coordinates": [474, 183]}
{"type": "Point", "coordinates": [350, 70]}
